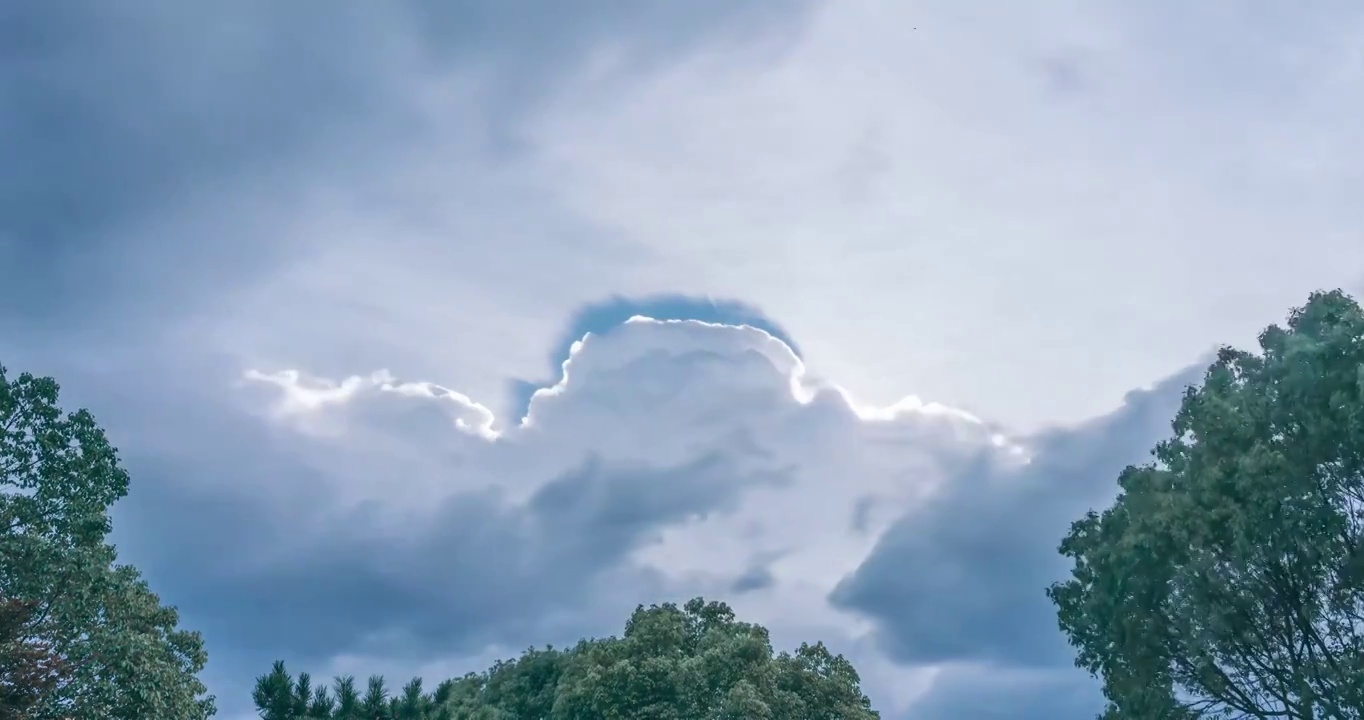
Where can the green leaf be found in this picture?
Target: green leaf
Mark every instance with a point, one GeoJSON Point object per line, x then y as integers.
{"type": "Point", "coordinates": [696, 662]}
{"type": "Point", "coordinates": [1225, 578]}
{"type": "Point", "coordinates": [58, 476]}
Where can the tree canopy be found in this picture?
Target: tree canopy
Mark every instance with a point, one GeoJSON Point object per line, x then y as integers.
{"type": "Point", "coordinates": [81, 635]}
{"type": "Point", "coordinates": [695, 662]}
{"type": "Point", "coordinates": [1227, 579]}
{"type": "Point", "coordinates": [30, 670]}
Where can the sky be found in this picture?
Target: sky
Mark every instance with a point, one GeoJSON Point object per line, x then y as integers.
{"type": "Point", "coordinates": [433, 329]}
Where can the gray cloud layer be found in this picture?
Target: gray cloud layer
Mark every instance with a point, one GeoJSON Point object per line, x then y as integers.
{"type": "Point", "coordinates": [292, 576]}
{"type": "Point", "coordinates": [122, 125]}
{"type": "Point", "coordinates": [113, 116]}
{"type": "Point", "coordinates": [961, 578]}
{"type": "Point", "coordinates": [289, 573]}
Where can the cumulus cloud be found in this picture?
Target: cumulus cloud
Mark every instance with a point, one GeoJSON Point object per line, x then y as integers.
{"type": "Point", "coordinates": [1022, 212]}
{"type": "Point", "coordinates": [672, 458]}
{"type": "Point", "coordinates": [647, 394]}
{"type": "Point", "coordinates": [980, 199]}
{"type": "Point", "coordinates": [169, 165]}
{"type": "Point", "coordinates": [1037, 183]}
{"type": "Point", "coordinates": [677, 457]}
{"type": "Point", "coordinates": [355, 522]}
{"type": "Point", "coordinates": [961, 576]}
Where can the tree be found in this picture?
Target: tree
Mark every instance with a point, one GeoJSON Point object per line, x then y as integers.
{"type": "Point", "coordinates": [1227, 579]}
{"type": "Point", "coordinates": [690, 663]}
{"type": "Point", "coordinates": [374, 705]}
{"type": "Point", "coordinates": [125, 655]}
{"type": "Point", "coordinates": [274, 694]}
{"type": "Point", "coordinates": [321, 706]}
{"type": "Point", "coordinates": [279, 696]}
{"type": "Point", "coordinates": [347, 699]}
{"type": "Point", "coordinates": [29, 668]}
{"type": "Point", "coordinates": [697, 661]}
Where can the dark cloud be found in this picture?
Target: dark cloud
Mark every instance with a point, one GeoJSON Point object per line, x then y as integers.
{"type": "Point", "coordinates": [113, 115]}
{"type": "Point", "coordinates": [962, 578]}
{"type": "Point", "coordinates": [470, 575]}
{"type": "Point", "coordinates": [229, 523]}
{"type": "Point", "coordinates": [861, 515]}
{"type": "Point", "coordinates": [981, 693]}
{"type": "Point", "coordinates": [262, 575]}
{"type": "Point", "coordinates": [755, 578]}
{"type": "Point", "coordinates": [117, 119]}
{"type": "Point", "coordinates": [121, 127]}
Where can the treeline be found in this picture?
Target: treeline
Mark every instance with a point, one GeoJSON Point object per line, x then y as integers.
{"type": "Point", "coordinates": [671, 663]}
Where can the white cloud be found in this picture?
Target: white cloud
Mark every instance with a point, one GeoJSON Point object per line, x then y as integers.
{"type": "Point", "coordinates": [654, 394]}
{"type": "Point", "coordinates": [918, 541]}
{"type": "Point", "coordinates": [1022, 210]}
{"type": "Point", "coordinates": [305, 398]}
{"type": "Point", "coordinates": [976, 201]}
{"type": "Point", "coordinates": [962, 202]}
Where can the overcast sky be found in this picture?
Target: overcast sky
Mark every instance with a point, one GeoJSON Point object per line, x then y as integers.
{"type": "Point", "coordinates": [922, 277]}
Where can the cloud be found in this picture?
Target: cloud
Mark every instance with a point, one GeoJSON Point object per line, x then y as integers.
{"type": "Point", "coordinates": [476, 570]}
{"type": "Point", "coordinates": [355, 523]}
{"type": "Point", "coordinates": [672, 458]}
{"type": "Point", "coordinates": [961, 576]}
{"type": "Point", "coordinates": [993, 693]}
{"type": "Point", "coordinates": [161, 158]}
{"type": "Point", "coordinates": [115, 118]}
{"type": "Point", "coordinates": [917, 190]}
{"type": "Point", "coordinates": [318, 519]}
{"type": "Point", "coordinates": [981, 201]}
{"type": "Point", "coordinates": [1021, 213]}
{"type": "Point", "coordinates": [604, 316]}
{"type": "Point", "coordinates": [688, 457]}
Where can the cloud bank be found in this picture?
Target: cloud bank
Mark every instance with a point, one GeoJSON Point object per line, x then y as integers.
{"type": "Point", "coordinates": [403, 218]}
{"type": "Point", "coordinates": [371, 522]}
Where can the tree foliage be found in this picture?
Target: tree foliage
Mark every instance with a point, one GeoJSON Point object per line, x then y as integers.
{"type": "Point", "coordinates": [113, 651]}
{"type": "Point", "coordinates": [1227, 579]}
{"type": "Point", "coordinates": [696, 662]}
{"type": "Point", "coordinates": [30, 669]}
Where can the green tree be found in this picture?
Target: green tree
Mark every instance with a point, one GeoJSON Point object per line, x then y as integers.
{"type": "Point", "coordinates": [412, 704]}
{"type": "Point", "coordinates": [274, 695]}
{"type": "Point", "coordinates": [58, 477]}
{"type": "Point", "coordinates": [321, 706]}
{"type": "Point", "coordinates": [696, 662]}
{"type": "Point", "coordinates": [278, 695]}
{"type": "Point", "coordinates": [347, 699]}
{"type": "Point", "coordinates": [1227, 579]}
{"type": "Point", "coordinates": [374, 705]}
{"type": "Point", "coordinates": [699, 662]}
